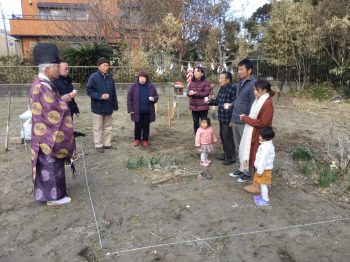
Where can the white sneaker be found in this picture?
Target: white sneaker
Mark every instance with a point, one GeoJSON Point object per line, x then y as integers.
{"type": "Point", "coordinates": [236, 173]}
{"type": "Point", "coordinates": [59, 202]}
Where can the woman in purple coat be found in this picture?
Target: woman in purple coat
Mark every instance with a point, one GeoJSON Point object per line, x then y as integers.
{"type": "Point", "coordinates": [142, 96]}
{"type": "Point", "coordinates": [198, 89]}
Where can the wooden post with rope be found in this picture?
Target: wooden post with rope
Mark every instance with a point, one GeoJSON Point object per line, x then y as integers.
{"type": "Point", "coordinates": [178, 89]}
{"type": "Point", "coordinates": [8, 124]}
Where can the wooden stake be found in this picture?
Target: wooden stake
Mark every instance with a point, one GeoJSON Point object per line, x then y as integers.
{"type": "Point", "coordinates": [8, 124]}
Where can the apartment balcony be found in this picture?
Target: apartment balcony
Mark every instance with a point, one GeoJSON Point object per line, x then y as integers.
{"type": "Point", "coordinates": [52, 26]}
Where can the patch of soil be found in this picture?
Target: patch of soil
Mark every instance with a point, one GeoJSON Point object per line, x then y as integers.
{"type": "Point", "coordinates": [132, 213]}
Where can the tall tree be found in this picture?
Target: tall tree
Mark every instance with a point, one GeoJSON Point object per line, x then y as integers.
{"type": "Point", "coordinates": [200, 17]}
{"type": "Point", "coordinates": [165, 38]}
{"type": "Point", "coordinates": [289, 36]}
{"type": "Point", "coordinates": [258, 19]}
{"type": "Point", "coordinates": [230, 39]}
{"type": "Point", "coordinates": [154, 11]}
{"type": "Point", "coordinates": [332, 19]}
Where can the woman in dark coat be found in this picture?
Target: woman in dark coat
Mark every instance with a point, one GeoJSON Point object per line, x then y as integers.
{"type": "Point", "coordinates": [198, 89]}
{"type": "Point", "coordinates": [142, 96]}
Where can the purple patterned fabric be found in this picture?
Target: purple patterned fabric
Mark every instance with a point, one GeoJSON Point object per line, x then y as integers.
{"type": "Point", "coordinates": [52, 139]}
{"type": "Point", "coordinates": [50, 180]}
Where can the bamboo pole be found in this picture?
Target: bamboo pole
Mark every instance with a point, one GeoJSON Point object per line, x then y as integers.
{"type": "Point", "coordinates": [8, 124]}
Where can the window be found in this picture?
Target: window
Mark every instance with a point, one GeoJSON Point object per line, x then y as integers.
{"type": "Point", "coordinates": [131, 13]}
{"type": "Point", "coordinates": [63, 12]}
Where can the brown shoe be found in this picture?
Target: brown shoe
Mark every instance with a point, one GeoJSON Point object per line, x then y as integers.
{"type": "Point", "coordinates": [100, 149]}
{"type": "Point", "coordinates": [136, 142]}
{"type": "Point", "coordinates": [253, 189]}
{"type": "Point", "coordinates": [145, 143]}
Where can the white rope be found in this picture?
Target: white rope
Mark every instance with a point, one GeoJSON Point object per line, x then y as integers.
{"type": "Point", "coordinates": [226, 236]}
{"type": "Point", "coordinates": [88, 188]}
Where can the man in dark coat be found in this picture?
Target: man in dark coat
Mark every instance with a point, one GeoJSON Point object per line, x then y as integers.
{"type": "Point", "coordinates": [66, 90]}
{"type": "Point", "coordinates": [104, 101]}
{"type": "Point", "coordinates": [64, 86]}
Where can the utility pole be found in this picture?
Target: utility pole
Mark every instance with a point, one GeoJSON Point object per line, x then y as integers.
{"type": "Point", "coordinates": [6, 39]}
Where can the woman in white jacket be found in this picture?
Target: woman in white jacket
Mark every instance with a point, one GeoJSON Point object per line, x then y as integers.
{"type": "Point", "coordinates": [264, 164]}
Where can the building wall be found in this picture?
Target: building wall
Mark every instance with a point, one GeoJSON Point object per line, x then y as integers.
{"type": "Point", "coordinates": [14, 46]}
{"type": "Point", "coordinates": [38, 27]}
{"type": "Point", "coordinates": [29, 7]}
{"type": "Point", "coordinates": [28, 44]}
{"type": "Point", "coordinates": [30, 27]}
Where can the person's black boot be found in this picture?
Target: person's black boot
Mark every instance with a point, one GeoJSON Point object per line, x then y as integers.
{"type": "Point", "coordinates": [228, 162]}
{"type": "Point", "coordinates": [77, 133]}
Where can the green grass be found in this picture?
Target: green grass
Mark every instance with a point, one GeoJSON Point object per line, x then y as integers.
{"type": "Point", "coordinates": [321, 92]}
{"type": "Point", "coordinates": [302, 153]}
{"type": "Point", "coordinates": [137, 163]}
{"type": "Point", "coordinates": [155, 160]}
{"type": "Point", "coordinates": [326, 176]}
{"type": "Point", "coordinates": [305, 168]}
{"type": "Point", "coordinates": [140, 161]}
{"type": "Point", "coordinates": [174, 161]}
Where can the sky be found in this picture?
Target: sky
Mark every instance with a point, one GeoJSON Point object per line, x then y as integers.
{"type": "Point", "coordinates": [245, 8]}
{"type": "Point", "coordinates": [9, 7]}
{"type": "Point", "coordinates": [240, 8]}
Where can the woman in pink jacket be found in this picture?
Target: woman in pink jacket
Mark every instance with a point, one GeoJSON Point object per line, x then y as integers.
{"type": "Point", "coordinates": [205, 139]}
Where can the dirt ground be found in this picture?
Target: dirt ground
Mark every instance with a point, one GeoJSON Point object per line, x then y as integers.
{"type": "Point", "coordinates": [132, 213]}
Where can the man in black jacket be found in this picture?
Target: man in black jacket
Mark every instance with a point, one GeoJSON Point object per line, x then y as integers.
{"type": "Point", "coordinates": [66, 90]}
{"type": "Point", "coordinates": [104, 101]}
{"type": "Point", "coordinates": [64, 86]}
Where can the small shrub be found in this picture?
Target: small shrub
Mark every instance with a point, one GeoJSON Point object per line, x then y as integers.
{"type": "Point", "coordinates": [174, 161]}
{"type": "Point", "coordinates": [87, 54]}
{"type": "Point", "coordinates": [162, 161]}
{"type": "Point", "coordinates": [346, 90]}
{"type": "Point", "coordinates": [302, 153]}
{"type": "Point", "coordinates": [336, 147]}
{"type": "Point", "coordinates": [326, 176]}
{"type": "Point", "coordinates": [155, 160]}
{"type": "Point", "coordinates": [16, 70]}
{"type": "Point", "coordinates": [321, 91]}
{"type": "Point", "coordinates": [136, 163]}
{"type": "Point", "coordinates": [305, 168]}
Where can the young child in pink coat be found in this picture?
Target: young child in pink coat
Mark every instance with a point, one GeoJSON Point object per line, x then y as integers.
{"type": "Point", "coordinates": [205, 139]}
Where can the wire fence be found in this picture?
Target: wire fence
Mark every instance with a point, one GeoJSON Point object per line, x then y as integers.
{"type": "Point", "coordinates": [80, 74]}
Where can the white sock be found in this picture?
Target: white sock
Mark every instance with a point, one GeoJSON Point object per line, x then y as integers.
{"type": "Point", "coordinates": [264, 192]}
{"type": "Point", "coordinates": [203, 156]}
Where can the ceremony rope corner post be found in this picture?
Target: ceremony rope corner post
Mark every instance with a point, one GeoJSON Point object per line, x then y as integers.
{"type": "Point", "coordinates": [89, 192]}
